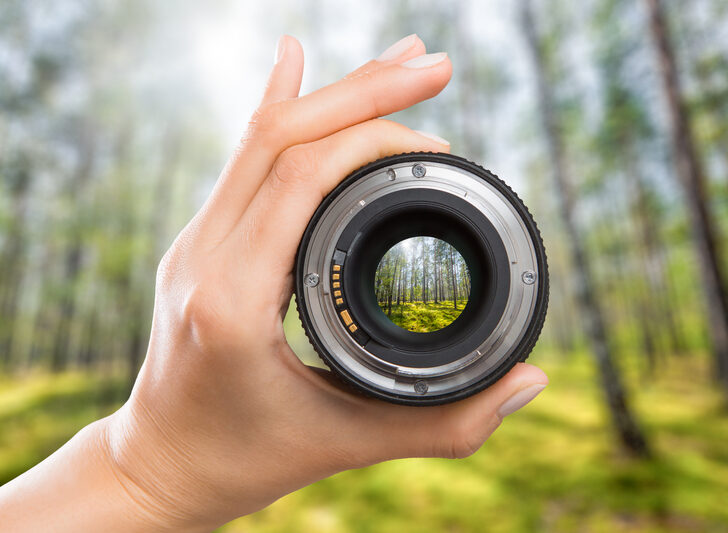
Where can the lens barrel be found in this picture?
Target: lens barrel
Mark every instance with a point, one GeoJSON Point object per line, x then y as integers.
{"type": "Point", "coordinates": [349, 258]}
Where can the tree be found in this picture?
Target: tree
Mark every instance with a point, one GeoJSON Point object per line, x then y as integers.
{"type": "Point", "coordinates": [12, 254]}
{"type": "Point", "coordinates": [625, 134]}
{"type": "Point", "coordinates": [453, 280]}
{"type": "Point", "coordinates": [690, 173]}
{"type": "Point", "coordinates": [74, 253]}
{"type": "Point", "coordinates": [424, 269]}
{"type": "Point", "coordinates": [624, 422]}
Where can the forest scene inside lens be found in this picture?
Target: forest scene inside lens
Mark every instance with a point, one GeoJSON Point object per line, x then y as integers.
{"type": "Point", "coordinates": [422, 284]}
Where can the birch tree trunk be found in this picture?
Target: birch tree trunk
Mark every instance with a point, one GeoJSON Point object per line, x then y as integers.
{"type": "Point", "coordinates": [689, 171]}
{"type": "Point", "coordinates": [453, 281]}
{"type": "Point", "coordinates": [629, 432]}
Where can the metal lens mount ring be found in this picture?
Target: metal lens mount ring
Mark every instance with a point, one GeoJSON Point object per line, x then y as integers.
{"type": "Point", "coordinates": [440, 194]}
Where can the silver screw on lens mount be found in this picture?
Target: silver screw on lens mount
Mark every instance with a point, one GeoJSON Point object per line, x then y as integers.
{"type": "Point", "coordinates": [419, 171]}
{"type": "Point", "coordinates": [311, 279]}
{"type": "Point", "coordinates": [528, 277]}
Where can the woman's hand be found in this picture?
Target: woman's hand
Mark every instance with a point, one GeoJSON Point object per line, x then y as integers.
{"type": "Point", "coordinates": [224, 419]}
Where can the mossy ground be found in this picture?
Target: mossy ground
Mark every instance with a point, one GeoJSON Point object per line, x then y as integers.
{"type": "Point", "coordinates": [421, 317]}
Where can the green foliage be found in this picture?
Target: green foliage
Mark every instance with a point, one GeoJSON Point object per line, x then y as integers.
{"type": "Point", "coordinates": [420, 317]}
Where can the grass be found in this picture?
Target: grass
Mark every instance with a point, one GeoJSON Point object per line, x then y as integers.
{"type": "Point", "coordinates": [421, 317]}
{"type": "Point", "coordinates": [39, 412]}
{"type": "Point", "coordinates": [553, 467]}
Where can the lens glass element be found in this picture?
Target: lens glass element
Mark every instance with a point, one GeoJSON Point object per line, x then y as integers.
{"type": "Point", "coordinates": [422, 284]}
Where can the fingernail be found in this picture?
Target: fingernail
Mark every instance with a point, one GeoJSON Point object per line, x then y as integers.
{"type": "Point", "coordinates": [426, 60]}
{"type": "Point", "coordinates": [398, 48]}
{"type": "Point", "coordinates": [280, 48]}
{"type": "Point", "coordinates": [519, 399]}
{"type": "Point", "coordinates": [434, 137]}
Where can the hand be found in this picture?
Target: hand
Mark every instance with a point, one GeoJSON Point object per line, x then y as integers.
{"type": "Point", "coordinates": [224, 419]}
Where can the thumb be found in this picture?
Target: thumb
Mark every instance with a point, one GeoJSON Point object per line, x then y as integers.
{"type": "Point", "coordinates": [285, 79]}
{"type": "Point", "coordinates": [455, 430]}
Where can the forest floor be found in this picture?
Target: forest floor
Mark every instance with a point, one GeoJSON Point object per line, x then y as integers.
{"type": "Point", "coordinates": [552, 467]}
{"type": "Point", "coordinates": [420, 317]}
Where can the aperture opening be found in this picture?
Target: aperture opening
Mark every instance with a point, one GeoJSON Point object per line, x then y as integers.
{"type": "Point", "coordinates": [422, 284]}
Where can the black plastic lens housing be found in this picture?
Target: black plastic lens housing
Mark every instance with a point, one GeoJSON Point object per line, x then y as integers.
{"type": "Point", "coordinates": [421, 195]}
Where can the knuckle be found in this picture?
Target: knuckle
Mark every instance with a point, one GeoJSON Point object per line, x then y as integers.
{"type": "Point", "coordinates": [372, 97]}
{"type": "Point", "coordinates": [295, 165]}
{"type": "Point", "coordinates": [169, 268]}
{"type": "Point", "coordinates": [176, 260]}
{"type": "Point", "coordinates": [165, 268]}
{"type": "Point", "coordinates": [375, 106]}
{"type": "Point", "coordinates": [464, 441]}
{"type": "Point", "coordinates": [267, 122]}
{"type": "Point", "coordinates": [200, 312]}
{"type": "Point", "coordinates": [383, 127]}
{"type": "Point", "coordinates": [209, 321]}
{"type": "Point", "coordinates": [386, 124]}
{"type": "Point", "coordinates": [360, 74]}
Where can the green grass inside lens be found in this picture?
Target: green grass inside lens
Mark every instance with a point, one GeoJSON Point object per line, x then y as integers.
{"type": "Point", "coordinates": [422, 284]}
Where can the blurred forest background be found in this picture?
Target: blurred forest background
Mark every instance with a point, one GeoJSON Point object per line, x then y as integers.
{"type": "Point", "coordinates": [608, 117]}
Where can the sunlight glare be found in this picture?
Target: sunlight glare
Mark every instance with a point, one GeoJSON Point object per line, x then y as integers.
{"type": "Point", "coordinates": [226, 52]}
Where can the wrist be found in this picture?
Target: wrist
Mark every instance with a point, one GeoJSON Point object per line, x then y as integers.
{"type": "Point", "coordinates": [80, 488]}
{"type": "Point", "coordinates": [150, 472]}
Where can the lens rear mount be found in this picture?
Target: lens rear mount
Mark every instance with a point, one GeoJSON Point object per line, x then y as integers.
{"type": "Point", "coordinates": [421, 195]}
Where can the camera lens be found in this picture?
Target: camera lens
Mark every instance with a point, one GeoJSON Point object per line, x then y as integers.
{"type": "Point", "coordinates": [421, 279]}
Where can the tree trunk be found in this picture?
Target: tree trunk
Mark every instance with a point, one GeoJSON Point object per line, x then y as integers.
{"type": "Point", "coordinates": [412, 279]}
{"type": "Point", "coordinates": [658, 301]}
{"type": "Point", "coordinates": [11, 260]}
{"type": "Point", "coordinates": [399, 285]}
{"type": "Point", "coordinates": [692, 179]}
{"type": "Point", "coordinates": [424, 272]}
{"type": "Point", "coordinates": [629, 432]}
{"type": "Point", "coordinates": [453, 280]}
{"type": "Point", "coordinates": [74, 254]}
{"type": "Point", "coordinates": [436, 275]}
{"type": "Point", "coordinates": [392, 285]}
{"type": "Point", "coordinates": [88, 353]}
{"type": "Point", "coordinates": [67, 308]}
{"type": "Point", "coordinates": [470, 86]}
{"type": "Point", "coordinates": [443, 296]}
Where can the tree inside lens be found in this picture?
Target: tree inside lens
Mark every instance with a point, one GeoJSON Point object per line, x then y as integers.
{"type": "Point", "coordinates": [422, 284]}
